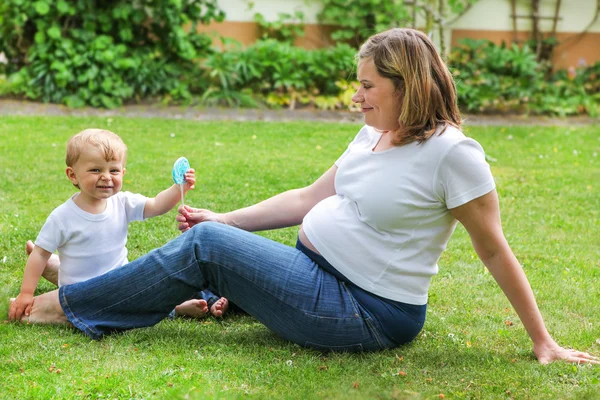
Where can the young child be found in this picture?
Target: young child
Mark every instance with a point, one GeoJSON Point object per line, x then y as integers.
{"type": "Point", "coordinates": [90, 229]}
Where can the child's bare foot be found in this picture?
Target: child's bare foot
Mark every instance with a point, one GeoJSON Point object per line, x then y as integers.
{"type": "Point", "coordinates": [46, 309]}
{"type": "Point", "coordinates": [220, 307]}
{"type": "Point", "coordinates": [51, 270]}
{"type": "Point", "coordinates": [192, 308]}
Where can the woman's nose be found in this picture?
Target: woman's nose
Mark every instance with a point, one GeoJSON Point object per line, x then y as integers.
{"type": "Point", "coordinates": [358, 97]}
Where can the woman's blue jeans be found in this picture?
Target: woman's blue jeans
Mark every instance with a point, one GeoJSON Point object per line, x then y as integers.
{"type": "Point", "coordinates": [277, 284]}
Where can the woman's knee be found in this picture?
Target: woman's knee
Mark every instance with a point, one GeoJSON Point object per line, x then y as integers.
{"type": "Point", "coordinates": [206, 229]}
{"type": "Point", "coordinates": [210, 236]}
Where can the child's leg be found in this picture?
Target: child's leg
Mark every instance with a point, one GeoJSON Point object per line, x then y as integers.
{"type": "Point", "coordinates": [51, 270]}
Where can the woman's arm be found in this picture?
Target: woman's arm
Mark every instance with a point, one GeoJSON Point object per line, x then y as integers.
{"type": "Point", "coordinates": [280, 211]}
{"type": "Point", "coordinates": [481, 218]}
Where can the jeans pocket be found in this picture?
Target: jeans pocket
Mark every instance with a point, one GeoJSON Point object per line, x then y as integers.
{"type": "Point", "coordinates": [348, 348]}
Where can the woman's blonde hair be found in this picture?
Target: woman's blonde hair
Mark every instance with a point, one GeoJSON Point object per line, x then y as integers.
{"type": "Point", "coordinates": [427, 90]}
{"type": "Point", "coordinates": [111, 145]}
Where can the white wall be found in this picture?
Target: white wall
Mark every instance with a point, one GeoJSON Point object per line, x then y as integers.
{"type": "Point", "coordinates": [496, 15]}
{"type": "Point", "coordinates": [239, 10]}
{"type": "Point", "coordinates": [484, 14]}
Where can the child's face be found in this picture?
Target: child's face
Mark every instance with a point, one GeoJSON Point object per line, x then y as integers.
{"type": "Point", "coordinates": [97, 178]}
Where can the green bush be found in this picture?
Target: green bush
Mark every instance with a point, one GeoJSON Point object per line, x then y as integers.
{"type": "Point", "coordinates": [81, 52]}
{"type": "Point", "coordinates": [356, 20]}
{"type": "Point", "coordinates": [572, 92]}
{"type": "Point", "coordinates": [274, 69]}
{"type": "Point", "coordinates": [492, 78]}
{"type": "Point", "coordinates": [105, 53]}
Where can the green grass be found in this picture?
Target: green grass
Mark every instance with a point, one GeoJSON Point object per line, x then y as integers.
{"type": "Point", "coordinates": [549, 183]}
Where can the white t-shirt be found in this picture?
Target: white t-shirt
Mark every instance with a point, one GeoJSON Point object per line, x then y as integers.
{"type": "Point", "coordinates": [90, 244]}
{"type": "Point", "coordinates": [389, 221]}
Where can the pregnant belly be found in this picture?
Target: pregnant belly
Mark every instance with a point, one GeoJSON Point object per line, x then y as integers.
{"type": "Point", "coordinates": [304, 240]}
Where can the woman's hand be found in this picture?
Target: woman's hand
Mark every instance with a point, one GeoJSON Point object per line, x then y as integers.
{"type": "Point", "coordinates": [551, 351]}
{"type": "Point", "coordinates": [189, 216]}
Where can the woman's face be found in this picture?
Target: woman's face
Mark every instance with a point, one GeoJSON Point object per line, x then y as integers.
{"type": "Point", "coordinates": [378, 98]}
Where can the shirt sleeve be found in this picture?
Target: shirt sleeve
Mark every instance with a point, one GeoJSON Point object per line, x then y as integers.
{"type": "Point", "coordinates": [463, 174]}
{"type": "Point", "coordinates": [361, 135]}
{"type": "Point", "coordinates": [134, 205]}
{"type": "Point", "coordinates": [52, 234]}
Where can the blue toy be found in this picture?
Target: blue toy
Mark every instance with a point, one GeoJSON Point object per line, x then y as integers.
{"type": "Point", "coordinates": [180, 167]}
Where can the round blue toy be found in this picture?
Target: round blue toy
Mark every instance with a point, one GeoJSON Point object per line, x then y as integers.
{"type": "Point", "coordinates": [179, 169]}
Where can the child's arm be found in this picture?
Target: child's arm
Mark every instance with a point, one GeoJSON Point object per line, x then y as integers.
{"type": "Point", "coordinates": [168, 198]}
{"type": "Point", "coordinates": [33, 270]}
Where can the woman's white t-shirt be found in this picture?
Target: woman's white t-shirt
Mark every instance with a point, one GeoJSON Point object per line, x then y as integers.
{"type": "Point", "coordinates": [389, 221]}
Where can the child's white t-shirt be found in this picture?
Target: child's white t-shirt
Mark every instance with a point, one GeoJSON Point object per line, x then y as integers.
{"type": "Point", "coordinates": [90, 244]}
{"type": "Point", "coordinates": [389, 221]}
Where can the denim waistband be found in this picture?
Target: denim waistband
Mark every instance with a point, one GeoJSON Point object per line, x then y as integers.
{"type": "Point", "coordinates": [399, 322]}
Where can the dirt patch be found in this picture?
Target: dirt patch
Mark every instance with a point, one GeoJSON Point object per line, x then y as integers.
{"type": "Point", "coordinates": [17, 107]}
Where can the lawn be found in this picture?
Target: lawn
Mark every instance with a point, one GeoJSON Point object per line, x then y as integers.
{"type": "Point", "coordinates": [472, 345]}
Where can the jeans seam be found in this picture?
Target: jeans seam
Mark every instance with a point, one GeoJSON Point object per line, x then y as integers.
{"type": "Point", "coordinates": [375, 332]}
{"type": "Point", "coordinates": [368, 320]}
{"type": "Point", "coordinates": [64, 303]}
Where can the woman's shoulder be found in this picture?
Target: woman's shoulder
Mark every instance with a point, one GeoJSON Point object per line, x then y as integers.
{"type": "Point", "coordinates": [366, 131]}
{"type": "Point", "coordinates": [450, 133]}
{"type": "Point", "coordinates": [365, 135]}
{"type": "Point", "coordinates": [451, 136]}
{"type": "Point", "coordinates": [448, 141]}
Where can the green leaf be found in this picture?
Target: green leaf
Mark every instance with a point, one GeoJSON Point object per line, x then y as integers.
{"type": "Point", "coordinates": [41, 7]}
{"type": "Point", "coordinates": [54, 32]}
{"type": "Point", "coordinates": [57, 66]}
{"type": "Point", "coordinates": [74, 101]}
{"type": "Point", "coordinates": [40, 37]}
{"type": "Point", "coordinates": [107, 84]}
{"type": "Point", "coordinates": [109, 102]}
{"type": "Point", "coordinates": [63, 7]}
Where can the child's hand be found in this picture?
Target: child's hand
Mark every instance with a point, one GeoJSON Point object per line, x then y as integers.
{"type": "Point", "coordinates": [190, 180]}
{"type": "Point", "coordinates": [20, 306]}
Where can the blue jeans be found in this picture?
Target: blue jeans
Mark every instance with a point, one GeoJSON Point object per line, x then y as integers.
{"type": "Point", "coordinates": [277, 284]}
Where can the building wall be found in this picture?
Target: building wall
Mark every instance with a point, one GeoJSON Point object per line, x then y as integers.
{"type": "Point", "coordinates": [240, 25]}
{"type": "Point", "coordinates": [491, 19]}
{"type": "Point", "coordinates": [487, 19]}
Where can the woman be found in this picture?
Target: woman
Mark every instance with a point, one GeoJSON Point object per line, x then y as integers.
{"type": "Point", "coordinates": [372, 229]}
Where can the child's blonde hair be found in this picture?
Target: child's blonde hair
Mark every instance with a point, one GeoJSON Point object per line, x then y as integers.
{"type": "Point", "coordinates": [111, 144]}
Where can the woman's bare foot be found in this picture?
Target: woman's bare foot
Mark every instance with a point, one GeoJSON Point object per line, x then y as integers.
{"type": "Point", "coordinates": [46, 309]}
{"type": "Point", "coordinates": [51, 270]}
{"type": "Point", "coordinates": [220, 307]}
{"type": "Point", "coordinates": [194, 308]}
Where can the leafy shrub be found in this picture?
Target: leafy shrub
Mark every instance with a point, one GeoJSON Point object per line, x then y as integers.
{"type": "Point", "coordinates": [278, 72]}
{"type": "Point", "coordinates": [103, 53]}
{"type": "Point", "coordinates": [572, 92]}
{"type": "Point", "coordinates": [356, 20]}
{"type": "Point", "coordinates": [286, 28]}
{"type": "Point", "coordinates": [492, 78]}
